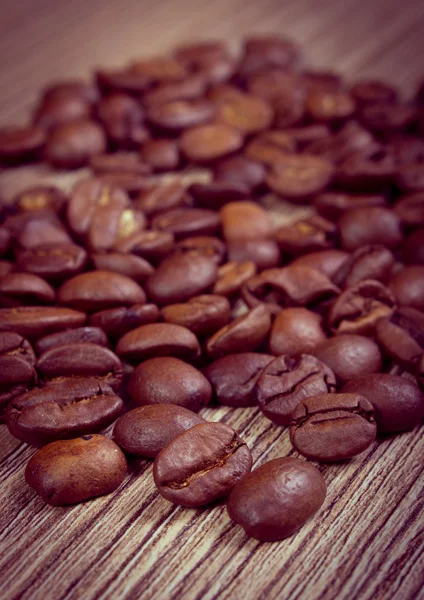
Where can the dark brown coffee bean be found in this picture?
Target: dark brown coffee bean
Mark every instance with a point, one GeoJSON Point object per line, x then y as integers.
{"type": "Point", "coordinates": [80, 360]}
{"type": "Point", "coordinates": [329, 107]}
{"type": "Point", "coordinates": [215, 194]}
{"type": "Point", "coordinates": [184, 222]}
{"type": "Point", "coordinates": [288, 380]}
{"type": "Point", "coordinates": [132, 266]}
{"type": "Point", "coordinates": [123, 119]}
{"type": "Point", "coordinates": [277, 499]}
{"type": "Point", "coordinates": [244, 334]}
{"type": "Point", "coordinates": [161, 155]}
{"type": "Point", "coordinates": [410, 178]}
{"type": "Point", "coordinates": [260, 53]}
{"type": "Point", "coordinates": [80, 335]}
{"type": "Point", "coordinates": [180, 277]}
{"type": "Point", "coordinates": [52, 262]}
{"type": "Point", "coordinates": [144, 431]}
{"type": "Point", "coordinates": [388, 118]}
{"type": "Point", "coordinates": [160, 69]}
{"type": "Point", "coordinates": [234, 376]}
{"type": "Point", "coordinates": [413, 249]}
{"type": "Point", "coordinates": [333, 427]}
{"type": "Point", "coordinates": [306, 235]}
{"type": "Point", "coordinates": [17, 376]}
{"type": "Point", "coordinates": [332, 205]}
{"type": "Point", "coordinates": [72, 471]}
{"type": "Point", "coordinates": [5, 240]}
{"type": "Point", "coordinates": [178, 115]}
{"type": "Point", "coordinates": [151, 245]}
{"type": "Point", "coordinates": [208, 246]}
{"type": "Point", "coordinates": [398, 402]}
{"type": "Point", "coordinates": [61, 109]}
{"type": "Point", "coordinates": [207, 143]}
{"type": "Point", "coordinates": [129, 163]}
{"type": "Point", "coordinates": [232, 276]}
{"type": "Point", "coordinates": [168, 380]}
{"type": "Point", "coordinates": [296, 331]}
{"type": "Point", "coordinates": [74, 407]}
{"type": "Point", "coordinates": [350, 356]}
{"type": "Point", "coordinates": [40, 198]}
{"type": "Point", "coordinates": [25, 288]}
{"type": "Point", "coordinates": [358, 309]}
{"type": "Point", "coordinates": [325, 261]}
{"type": "Point", "coordinates": [160, 198]}
{"type": "Point", "coordinates": [158, 339]}
{"type": "Point", "coordinates": [198, 478]}
{"type": "Point", "coordinates": [410, 209]}
{"type": "Point", "coordinates": [18, 144]}
{"type": "Point", "coordinates": [126, 80]}
{"type": "Point", "coordinates": [367, 262]}
{"type": "Point", "coordinates": [246, 113]}
{"type": "Point", "coordinates": [369, 226]}
{"type": "Point", "coordinates": [189, 88]}
{"type": "Point", "coordinates": [408, 287]}
{"type": "Point", "coordinates": [303, 136]}
{"type": "Point", "coordinates": [35, 321]}
{"type": "Point", "coordinates": [71, 145]}
{"type": "Point", "coordinates": [245, 221]}
{"type": "Point", "coordinates": [13, 344]}
{"type": "Point", "coordinates": [242, 169]}
{"type": "Point", "coordinates": [372, 91]}
{"type": "Point", "coordinates": [297, 177]}
{"type": "Point", "coordinates": [117, 321]}
{"type": "Point", "coordinates": [203, 315]}
{"type": "Point", "coordinates": [270, 147]}
{"type": "Point", "coordinates": [99, 290]}
{"type": "Point", "coordinates": [401, 336]}
{"type": "Point", "coordinates": [264, 253]}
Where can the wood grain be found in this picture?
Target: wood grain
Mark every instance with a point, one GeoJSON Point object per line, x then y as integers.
{"type": "Point", "coordinates": [367, 542]}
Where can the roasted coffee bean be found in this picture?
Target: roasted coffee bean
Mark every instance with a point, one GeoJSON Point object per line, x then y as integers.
{"type": "Point", "coordinates": [25, 288]}
{"type": "Point", "coordinates": [132, 266]}
{"type": "Point", "coordinates": [158, 339]}
{"type": "Point", "coordinates": [207, 143]}
{"type": "Point", "coordinates": [329, 107]}
{"type": "Point", "coordinates": [244, 334]}
{"type": "Point", "coordinates": [126, 80]}
{"type": "Point", "coordinates": [189, 88]}
{"type": "Point", "coordinates": [325, 261]}
{"type": "Point", "coordinates": [388, 118]}
{"type": "Point", "coordinates": [151, 245]}
{"type": "Point", "coordinates": [413, 249]}
{"type": "Point", "coordinates": [350, 356]}
{"type": "Point", "coordinates": [145, 430]}
{"type": "Point", "coordinates": [368, 262]}
{"type": "Point", "coordinates": [62, 411]}
{"type": "Point", "coordinates": [245, 221]}
{"type": "Point", "coordinates": [40, 230]}
{"type": "Point", "coordinates": [296, 331]}
{"type": "Point", "coordinates": [287, 380]}
{"type": "Point", "coordinates": [71, 145]}
{"type": "Point", "coordinates": [122, 169]}
{"type": "Point", "coordinates": [401, 336]}
{"type": "Point", "coordinates": [231, 277]}
{"type": "Point", "coordinates": [71, 471]}
{"type": "Point", "coordinates": [180, 277]}
{"type": "Point", "coordinates": [35, 321]}
{"type": "Point", "coordinates": [161, 154]}
{"type": "Point", "coordinates": [333, 427]}
{"type": "Point", "coordinates": [306, 135]}
{"type": "Point", "coordinates": [372, 91]}
{"type": "Point", "coordinates": [242, 169]}
{"type": "Point", "coordinates": [60, 109]}
{"type": "Point", "coordinates": [123, 120]}
{"type": "Point", "coordinates": [17, 376]}
{"type": "Point", "coordinates": [369, 170]}
{"type": "Point", "coordinates": [306, 235]}
{"type": "Point", "coordinates": [80, 335]}
{"type": "Point", "coordinates": [260, 53]}
{"type": "Point", "coordinates": [234, 376]}
{"type": "Point", "coordinates": [208, 246]}
{"type": "Point", "coordinates": [117, 321]}
{"type": "Point", "coordinates": [370, 226]}
{"type": "Point", "coordinates": [270, 147]}
{"type": "Point", "coordinates": [40, 198]}
{"type": "Point", "coordinates": [215, 194]}
{"type": "Point", "coordinates": [408, 287]}
{"type": "Point", "coordinates": [185, 222]}
{"type": "Point", "coordinates": [13, 344]}
{"type": "Point", "coordinates": [160, 198]}
{"type": "Point", "coordinates": [264, 253]}
{"type": "Point", "coordinates": [358, 309]}
{"type": "Point", "coordinates": [332, 205]}
{"type": "Point", "coordinates": [168, 380]}
{"type": "Point", "coordinates": [410, 210]}
{"type": "Point", "coordinates": [277, 498]}
{"type": "Point", "coordinates": [53, 262]}
{"type": "Point", "coordinates": [198, 478]}
{"type": "Point", "coordinates": [297, 177]}
{"type": "Point", "coordinates": [99, 290]}
{"type": "Point", "coordinates": [19, 144]}
{"type": "Point", "coordinates": [177, 115]}
{"type": "Point", "coordinates": [80, 360]}
{"type": "Point", "coordinates": [203, 315]}
{"type": "Point", "coordinates": [398, 402]}
{"type": "Point", "coordinates": [246, 113]}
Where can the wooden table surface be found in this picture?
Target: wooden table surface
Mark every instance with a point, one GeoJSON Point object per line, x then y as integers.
{"type": "Point", "coordinates": [367, 541]}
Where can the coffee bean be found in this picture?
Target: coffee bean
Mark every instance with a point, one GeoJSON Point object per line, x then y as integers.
{"type": "Point", "coordinates": [207, 143]}
{"type": "Point", "coordinates": [203, 315]}
{"type": "Point", "coordinates": [13, 344]}
{"type": "Point", "coordinates": [215, 194]}
{"type": "Point", "coordinates": [306, 235]}
{"type": "Point", "coordinates": [158, 339]}
{"type": "Point", "coordinates": [151, 245]}
{"type": "Point", "coordinates": [178, 115]}
{"type": "Point", "coordinates": [332, 205]}
{"type": "Point", "coordinates": [62, 411]}
{"type": "Point", "coordinates": [189, 88]}
{"type": "Point", "coordinates": [370, 226]}
{"type": "Point", "coordinates": [298, 177]}
{"type": "Point", "coordinates": [180, 277]}
{"type": "Point", "coordinates": [367, 262]}
{"type": "Point", "coordinates": [53, 262]}
{"type": "Point", "coordinates": [19, 144]}
{"type": "Point", "coordinates": [120, 164]}
{"type": "Point", "coordinates": [264, 253]}
{"type": "Point", "coordinates": [350, 356]}
{"type": "Point", "coordinates": [277, 498]}
{"type": "Point", "coordinates": [144, 431]}
{"type": "Point", "coordinates": [244, 334]}
{"type": "Point", "coordinates": [99, 290]}
{"type": "Point", "coordinates": [40, 230]}
{"type": "Point", "coordinates": [206, 245]}
{"type": "Point", "coordinates": [40, 198]}
{"type": "Point", "coordinates": [260, 53]}
{"type": "Point", "coordinates": [117, 321]}
{"type": "Point", "coordinates": [401, 336]}
{"type": "Point", "coordinates": [161, 154]}
{"type": "Point", "coordinates": [72, 471]}
{"type": "Point", "coordinates": [25, 288]}
{"type": "Point", "coordinates": [131, 266]}
{"type": "Point", "coordinates": [246, 113]}
{"type": "Point", "coordinates": [123, 120]}
{"type": "Point", "coordinates": [168, 380]}
{"type": "Point", "coordinates": [329, 107]}
{"type": "Point", "coordinates": [83, 335]}
{"type": "Point", "coordinates": [233, 377]}
{"type": "Point", "coordinates": [198, 478]}
{"type": "Point", "coordinates": [160, 69]}
{"type": "Point", "coordinates": [126, 80]}
{"type": "Point", "coordinates": [61, 109]}
{"type": "Point", "coordinates": [369, 170]}
{"type": "Point", "coordinates": [410, 209]}
{"type": "Point", "coordinates": [17, 374]}
{"type": "Point", "coordinates": [160, 198]}
{"type": "Point", "coordinates": [35, 321]}
{"type": "Point", "coordinates": [408, 287]}
{"type": "Point", "coordinates": [185, 222]}
{"type": "Point", "coordinates": [232, 276]}
{"type": "Point", "coordinates": [270, 147]}
{"type": "Point", "coordinates": [240, 169]}
{"type": "Point", "coordinates": [71, 145]}
{"type": "Point", "coordinates": [74, 360]}
{"type": "Point", "coordinates": [245, 221]}
{"type": "Point", "coordinates": [325, 261]}
{"type": "Point", "coordinates": [296, 331]}
{"type": "Point", "coordinates": [398, 402]}
{"type": "Point", "coordinates": [333, 427]}
{"type": "Point", "coordinates": [287, 380]}
{"type": "Point", "coordinates": [388, 118]}
{"type": "Point", "coordinates": [413, 249]}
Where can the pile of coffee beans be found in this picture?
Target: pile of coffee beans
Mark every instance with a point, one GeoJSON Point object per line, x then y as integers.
{"type": "Point", "coordinates": [140, 299]}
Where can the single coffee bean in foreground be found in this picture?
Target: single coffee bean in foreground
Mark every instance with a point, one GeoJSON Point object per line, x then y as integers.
{"type": "Point", "coordinates": [277, 499]}
{"type": "Point", "coordinates": [145, 430]}
{"type": "Point", "coordinates": [332, 427]}
{"type": "Point", "coordinates": [201, 465]}
{"type": "Point", "coordinates": [71, 471]}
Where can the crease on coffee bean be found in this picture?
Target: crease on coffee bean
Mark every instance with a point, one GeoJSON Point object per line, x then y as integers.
{"type": "Point", "coordinates": [233, 446]}
{"type": "Point", "coordinates": [357, 410]}
{"type": "Point", "coordinates": [61, 406]}
{"type": "Point", "coordinates": [298, 384]}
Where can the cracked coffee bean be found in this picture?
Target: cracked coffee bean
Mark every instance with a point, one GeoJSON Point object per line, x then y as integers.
{"type": "Point", "coordinates": [401, 336]}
